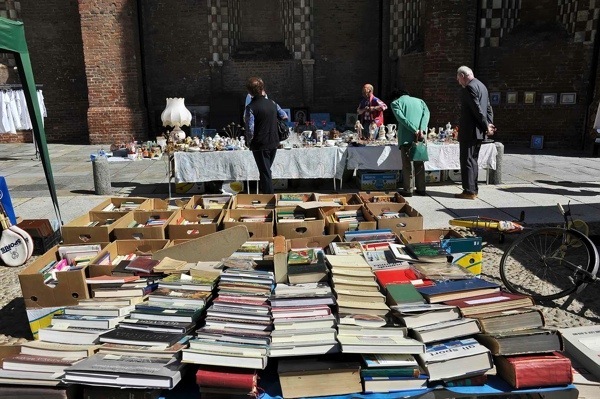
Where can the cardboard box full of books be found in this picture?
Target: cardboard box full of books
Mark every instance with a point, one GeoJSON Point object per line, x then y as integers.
{"type": "Point", "coordinates": [466, 251]}
{"type": "Point", "coordinates": [349, 217]}
{"type": "Point", "coordinates": [254, 201]}
{"type": "Point", "coordinates": [122, 204]}
{"type": "Point", "coordinates": [341, 199]}
{"type": "Point", "coordinates": [210, 201]}
{"type": "Point", "coordinates": [91, 228]}
{"type": "Point", "coordinates": [104, 263]}
{"type": "Point", "coordinates": [193, 223]}
{"type": "Point", "coordinates": [380, 196]}
{"type": "Point", "coordinates": [143, 225]}
{"type": "Point", "coordinates": [259, 222]}
{"type": "Point", "coordinates": [396, 216]}
{"type": "Point", "coordinates": [293, 222]}
{"type": "Point", "coordinates": [43, 286]}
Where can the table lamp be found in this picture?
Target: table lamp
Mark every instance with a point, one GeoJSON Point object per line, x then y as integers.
{"type": "Point", "coordinates": [176, 115]}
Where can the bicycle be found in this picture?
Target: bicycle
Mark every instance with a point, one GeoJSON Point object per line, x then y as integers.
{"type": "Point", "coordinates": [551, 262]}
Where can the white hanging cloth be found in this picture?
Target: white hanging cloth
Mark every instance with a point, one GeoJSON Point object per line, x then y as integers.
{"type": "Point", "coordinates": [14, 114]}
{"type": "Point", "coordinates": [10, 123]}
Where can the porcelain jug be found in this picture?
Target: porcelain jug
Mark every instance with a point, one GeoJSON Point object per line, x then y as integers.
{"type": "Point", "coordinates": [392, 131]}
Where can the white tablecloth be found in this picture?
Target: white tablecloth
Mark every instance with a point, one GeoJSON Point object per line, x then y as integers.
{"type": "Point", "coordinates": [441, 157]}
{"type": "Point", "coordinates": [296, 163]}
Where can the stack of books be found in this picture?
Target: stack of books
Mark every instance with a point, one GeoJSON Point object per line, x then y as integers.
{"type": "Point", "coordinates": [352, 217]}
{"type": "Point", "coordinates": [306, 265]}
{"type": "Point", "coordinates": [370, 236]}
{"type": "Point", "coordinates": [152, 222]}
{"type": "Point", "coordinates": [120, 286]}
{"type": "Point", "coordinates": [124, 206]}
{"type": "Point", "coordinates": [391, 372]}
{"type": "Point", "coordinates": [355, 286]}
{"type": "Point", "coordinates": [238, 323]}
{"type": "Point", "coordinates": [303, 322]}
{"type": "Point", "coordinates": [255, 250]}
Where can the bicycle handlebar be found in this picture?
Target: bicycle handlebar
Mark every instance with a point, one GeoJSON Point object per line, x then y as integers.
{"type": "Point", "coordinates": [561, 209]}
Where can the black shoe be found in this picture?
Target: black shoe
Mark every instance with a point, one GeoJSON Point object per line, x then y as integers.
{"type": "Point", "coordinates": [421, 193]}
{"type": "Point", "coordinates": [405, 193]}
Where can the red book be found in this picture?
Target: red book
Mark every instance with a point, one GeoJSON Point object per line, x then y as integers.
{"type": "Point", "coordinates": [228, 377]}
{"type": "Point", "coordinates": [401, 276]}
{"type": "Point", "coordinates": [540, 370]}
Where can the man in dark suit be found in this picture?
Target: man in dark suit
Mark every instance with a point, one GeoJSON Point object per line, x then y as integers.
{"type": "Point", "coordinates": [476, 119]}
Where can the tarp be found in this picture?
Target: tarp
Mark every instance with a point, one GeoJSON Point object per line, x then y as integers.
{"type": "Point", "coordinates": [12, 40]}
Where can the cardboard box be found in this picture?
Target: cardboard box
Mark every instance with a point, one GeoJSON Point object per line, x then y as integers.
{"type": "Point", "coordinates": [321, 242]}
{"type": "Point", "coordinates": [70, 288]}
{"type": "Point", "coordinates": [157, 204]}
{"type": "Point", "coordinates": [255, 229]}
{"type": "Point", "coordinates": [41, 318]}
{"type": "Point", "coordinates": [122, 247]}
{"type": "Point", "coordinates": [300, 228]}
{"type": "Point", "coordinates": [190, 188]}
{"type": "Point", "coordinates": [342, 199]}
{"type": "Point", "coordinates": [254, 201]}
{"type": "Point", "coordinates": [195, 229]}
{"type": "Point", "coordinates": [122, 232]}
{"type": "Point", "coordinates": [339, 228]}
{"type": "Point", "coordinates": [377, 180]}
{"type": "Point", "coordinates": [413, 221]}
{"type": "Point", "coordinates": [380, 196]}
{"type": "Point", "coordinates": [210, 201]}
{"type": "Point", "coordinates": [465, 251]}
{"type": "Point", "coordinates": [9, 350]}
{"type": "Point", "coordinates": [118, 201]}
{"type": "Point", "coordinates": [433, 176]}
{"type": "Point", "coordinates": [292, 199]}
{"type": "Point", "coordinates": [77, 231]}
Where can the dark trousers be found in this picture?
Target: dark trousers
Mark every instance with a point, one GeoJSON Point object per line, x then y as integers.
{"type": "Point", "coordinates": [469, 169]}
{"type": "Point", "coordinates": [264, 159]}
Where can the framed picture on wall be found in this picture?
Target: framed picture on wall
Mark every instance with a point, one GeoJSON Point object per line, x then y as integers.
{"type": "Point", "coordinates": [568, 98]}
{"type": "Point", "coordinates": [300, 115]}
{"type": "Point", "coordinates": [511, 97]}
{"type": "Point", "coordinates": [495, 97]}
{"type": "Point", "coordinates": [549, 98]}
{"type": "Point", "coordinates": [288, 112]}
{"type": "Point", "coordinates": [529, 97]}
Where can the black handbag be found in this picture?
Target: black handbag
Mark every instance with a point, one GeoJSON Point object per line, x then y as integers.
{"type": "Point", "coordinates": [282, 130]}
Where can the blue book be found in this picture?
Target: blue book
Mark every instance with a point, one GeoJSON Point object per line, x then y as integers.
{"type": "Point", "coordinates": [457, 289]}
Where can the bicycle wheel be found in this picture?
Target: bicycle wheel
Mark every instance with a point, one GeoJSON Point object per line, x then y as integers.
{"type": "Point", "coordinates": [547, 263]}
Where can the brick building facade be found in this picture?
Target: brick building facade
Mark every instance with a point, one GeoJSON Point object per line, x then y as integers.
{"type": "Point", "coordinates": [107, 66]}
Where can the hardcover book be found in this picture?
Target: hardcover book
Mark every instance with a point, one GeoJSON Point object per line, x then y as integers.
{"type": "Point", "coordinates": [446, 330]}
{"type": "Point", "coordinates": [539, 370]}
{"type": "Point", "coordinates": [418, 315]}
{"type": "Point", "coordinates": [582, 344]}
{"type": "Point", "coordinates": [398, 294]}
{"type": "Point", "coordinates": [137, 337]}
{"type": "Point", "coordinates": [228, 377]}
{"type": "Point", "coordinates": [401, 276]}
{"type": "Point", "coordinates": [509, 320]}
{"type": "Point", "coordinates": [448, 290]}
{"type": "Point", "coordinates": [491, 302]}
{"type": "Point", "coordinates": [537, 340]}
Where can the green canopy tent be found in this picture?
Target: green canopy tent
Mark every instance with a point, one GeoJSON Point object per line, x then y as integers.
{"type": "Point", "coordinates": [12, 40]}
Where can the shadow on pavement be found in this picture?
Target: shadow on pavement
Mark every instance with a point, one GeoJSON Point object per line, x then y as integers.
{"type": "Point", "coordinates": [13, 320]}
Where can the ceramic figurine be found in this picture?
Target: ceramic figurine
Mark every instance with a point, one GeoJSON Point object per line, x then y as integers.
{"type": "Point", "coordinates": [381, 134]}
{"type": "Point", "coordinates": [358, 127]}
{"type": "Point", "coordinates": [372, 129]}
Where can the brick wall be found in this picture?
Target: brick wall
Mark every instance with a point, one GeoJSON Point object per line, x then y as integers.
{"type": "Point", "coordinates": [109, 30]}
{"type": "Point", "coordinates": [53, 34]}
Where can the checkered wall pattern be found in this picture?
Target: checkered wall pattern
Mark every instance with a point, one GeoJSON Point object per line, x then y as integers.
{"type": "Point", "coordinates": [498, 17]}
{"type": "Point", "coordinates": [223, 19]}
{"type": "Point", "coordinates": [580, 18]}
{"type": "Point", "coordinates": [405, 22]}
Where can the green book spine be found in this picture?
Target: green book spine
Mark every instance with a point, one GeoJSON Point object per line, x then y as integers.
{"type": "Point", "coordinates": [390, 372]}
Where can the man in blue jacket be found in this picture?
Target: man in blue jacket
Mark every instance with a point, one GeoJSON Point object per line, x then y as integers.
{"type": "Point", "coordinates": [413, 117]}
{"type": "Point", "coordinates": [476, 121]}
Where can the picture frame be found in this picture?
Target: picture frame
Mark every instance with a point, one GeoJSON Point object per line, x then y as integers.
{"type": "Point", "coordinates": [300, 114]}
{"type": "Point", "coordinates": [495, 97]}
{"type": "Point", "coordinates": [511, 97]}
{"type": "Point", "coordinates": [529, 97]}
{"type": "Point", "coordinates": [351, 119]}
{"type": "Point", "coordinates": [288, 112]}
{"type": "Point", "coordinates": [537, 142]}
{"type": "Point", "coordinates": [568, 98]}
{"type": "Point", "coordinates": [549, 99]}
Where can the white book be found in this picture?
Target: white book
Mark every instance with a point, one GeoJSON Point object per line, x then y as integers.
{"type": "Point", "coordinates": [282, 350]}
{"type": "Point", "coordinates": [446, 330]}
{"type": "Point", "coordinates": [202, 357]}
{"type": "Point", "coordinates": [583, 344]}
{"type": "Point", "coordinates": [380, 344]}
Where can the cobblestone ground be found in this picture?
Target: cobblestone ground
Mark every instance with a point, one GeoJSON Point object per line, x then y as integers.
{"type": "Point", "coordinates": [584, 309]}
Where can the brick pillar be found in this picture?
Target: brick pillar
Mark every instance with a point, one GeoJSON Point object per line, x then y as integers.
{"type": "Point", "coordinates": [308, 81]}
{"type": "Point", "coordinates": [110, 35]}
{"type": "Point", "coordinates": [449, 42]}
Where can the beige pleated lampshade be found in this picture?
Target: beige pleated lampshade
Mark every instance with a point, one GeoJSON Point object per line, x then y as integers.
{"type": "Point", "coordinates": [176, 114]}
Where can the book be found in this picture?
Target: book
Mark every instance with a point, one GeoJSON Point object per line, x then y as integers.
{"type": "Point", "coordinates": [363, 320]}
{"type": "Point", "coordinates": [158, 325]}
{"type": "Point", "coordinates": [225, 360]}
{"type": "Point", "coordinates": [401, 276]}
{"type": "Point", "coordinates": [454, 359]}
{"type": "Point", "coordinates": [427, 251]}
{"type": "Point", "coordinates": [187, 282]}
{"type": "Point", "coordinates": [42, 348]}
{"type": "Point", "coordinates": [70, 335]}
{"type": "Point", "coordinates": [372, 384]}
{"type": "Point", "coordinates": [509, 320]}
{"type": "Point", "coordinates": [316, 377]}
{"type": "Point", "coordinates": [147, 351]}
{"type": "Point", "coordinates": [442, 271]}
{"type": "Point", "coordinates": [448, 290]}
{"type": "Point", "coordinates": [475, 380]}
{"type": "Point", "coordinates": [228, 377]}
{"type": "Point", "coordinates": [417, 315]}
{"type": "Point", "coordinates": [123, 292]}
{"type": "Point", "coordinates": [581, 343]}
{"type": "Point", "coordinates": [380, 344]}
{"type": "Point", "coordinates": [142, 264]}
{"type": "Point", "coordinates": [183, 297]}
{"type": "Point", "coordinates": [389, 360]}
{"type": "Point", "coordinates": [285, 349]}
{"type": "Point", "coordinates": [398, 294]}
{"type": "Point", "coordinates": [446, 330]}
{"type": "Point", "coordinates": [104, 322]}
{"type": "Point", "coordinates": [136, 337]}
{"type": "Point", "coordinates": [302, 256]}
{"type": "Point", "coordinates": [125, 372]}
{"type": "Point", "coordinates": [87, 309]}
{"type": "Point", "coordinates": [347, 261]}
{"type": "Point", "coordinates": [537, 340]}
{"type": "Point", "coordinates": [492, 302]}
{"type": "Point", "coordinates": [26, 363]}
{"type": "Point", "coordinates": [345, 248]}
{"type": "Point", "coordinates": [538, 370]}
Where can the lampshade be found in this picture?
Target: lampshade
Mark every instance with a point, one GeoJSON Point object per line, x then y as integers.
{"type": "Point", "coordinates": [176, 114]}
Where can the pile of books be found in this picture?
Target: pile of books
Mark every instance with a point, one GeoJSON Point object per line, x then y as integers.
{"type": "Point", "coordinates": [72, 257]}
{"type": "Point", "coordinates": [124, 206]}
{"type": "Point", "coordinates": [352, 217]}
{"type": "Point", "coordinates": [151, 222]}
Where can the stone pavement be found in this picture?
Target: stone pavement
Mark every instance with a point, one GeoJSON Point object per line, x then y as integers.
{"type": "Point", "coordinates": [531, 181]}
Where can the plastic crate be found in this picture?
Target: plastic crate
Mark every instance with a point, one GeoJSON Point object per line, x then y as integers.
{"type": "Point", "coordinates": [43, 244]}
